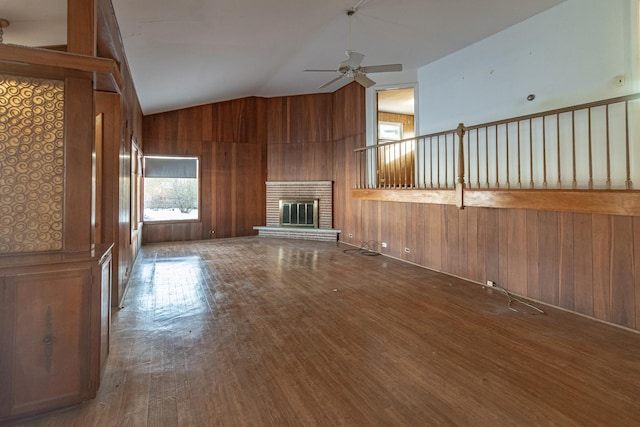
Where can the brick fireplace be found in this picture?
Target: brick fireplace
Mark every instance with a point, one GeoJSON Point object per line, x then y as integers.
{"type": "Point", "coordinates": [322, 191]}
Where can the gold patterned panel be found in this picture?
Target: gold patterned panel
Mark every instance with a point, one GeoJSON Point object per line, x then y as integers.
{"type": "Point", "coordinates": [31, 164]}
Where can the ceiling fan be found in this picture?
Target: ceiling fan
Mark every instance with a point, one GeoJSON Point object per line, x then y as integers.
{"type": "Point", "coordinates": [351, 67]}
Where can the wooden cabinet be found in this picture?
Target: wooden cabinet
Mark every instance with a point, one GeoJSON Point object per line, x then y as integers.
{"type": "Point", "coordinates": [54, 329]}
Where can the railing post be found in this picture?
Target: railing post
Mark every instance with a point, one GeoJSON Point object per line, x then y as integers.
{"type": "Point", "coordinates": [460, 130]}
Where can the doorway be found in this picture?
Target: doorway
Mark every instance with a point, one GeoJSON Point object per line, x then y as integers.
{"type": "Point", "coordinates": [395, 130]}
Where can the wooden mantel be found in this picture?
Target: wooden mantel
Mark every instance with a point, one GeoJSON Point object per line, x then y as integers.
{"type": "Point", "coordinates": [39, 62]}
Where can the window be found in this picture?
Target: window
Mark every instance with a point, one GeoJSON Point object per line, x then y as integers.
{"type": "Point", "coordinates": [170, 188]}
{"type": "Point", "coordinates": [389, 131]}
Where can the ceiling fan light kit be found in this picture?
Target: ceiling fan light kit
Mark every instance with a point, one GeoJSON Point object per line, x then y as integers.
{"type": "Point", "coordinates": [4, 23]}
{"type": "Point", "coordinates": [351, 68]}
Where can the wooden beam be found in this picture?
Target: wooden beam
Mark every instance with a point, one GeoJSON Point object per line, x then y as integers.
{"type": "Point", "coordinates": [42, 62]}
{"type": "Point", "coordinates": [79, 134]}
{"type": "Point", "coordinates": [81, 27]}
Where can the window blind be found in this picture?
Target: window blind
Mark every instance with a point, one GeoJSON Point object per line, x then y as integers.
{"type": "Point", "coordinates": [171, 167]}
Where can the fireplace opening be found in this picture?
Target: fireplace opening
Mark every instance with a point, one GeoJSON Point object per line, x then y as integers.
{"type": "Point", "coordinates": [299, 213]}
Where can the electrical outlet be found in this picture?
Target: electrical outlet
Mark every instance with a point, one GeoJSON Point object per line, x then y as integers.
{"type": "Point", "coordinates": [407, 250]}
{"type": "Point", "coordinates": [384, 244]}
{"type": "Point", "coordinates": [491, 283]}
{"type": "Point", "coordinates": [619, 80]}
{"type": "Point", "coordinates": [350, 235]}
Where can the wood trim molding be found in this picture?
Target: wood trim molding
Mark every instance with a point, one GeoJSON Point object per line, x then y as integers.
{"type": "Point", "coordinates": [438, 197]}
{"type": "Point", "coordinates": [606, 202]}
{"type": "Point", "coordinates": [34, 62]}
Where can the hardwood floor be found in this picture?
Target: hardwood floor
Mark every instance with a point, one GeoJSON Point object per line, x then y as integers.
{"type": "Point", "coordinates": [265, 332]}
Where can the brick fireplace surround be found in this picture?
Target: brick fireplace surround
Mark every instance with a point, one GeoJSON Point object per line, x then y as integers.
{"type": "Point", "coordinates": [300, 190]}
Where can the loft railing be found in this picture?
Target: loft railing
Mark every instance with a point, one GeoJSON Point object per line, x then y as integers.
{"type": "Point", "coordinates": [587, 146]}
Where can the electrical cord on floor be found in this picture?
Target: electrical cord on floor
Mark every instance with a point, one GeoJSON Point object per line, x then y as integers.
{"type": "Point", "coordinates": [369, 248]}
{"type": "Point", "coordinates": [511, 299]}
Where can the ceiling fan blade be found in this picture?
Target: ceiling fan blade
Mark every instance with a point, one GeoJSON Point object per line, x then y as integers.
{"type": "Point", "coordinates": [381, 68]}
{"type": "Point", "coordinates": [355, 59]}
{"type": "Point", "coordinates": [330, 82]}
{"type": "Point", "coordinates": [364, 80]}
{"type": "Point", "coordinates": [323, 71]}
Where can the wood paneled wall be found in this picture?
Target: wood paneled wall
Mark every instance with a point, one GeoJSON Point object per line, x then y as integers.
{"type": "Point", "coordinates": [580, 262]}
{"type": "Point", "coordinates": [306, 134]}
{"type": "Point", "coordinates": [123, 122]}
{"type": "Point", "coordinates": [243, 143]}
{"type": "Point", "coordinates": [300, 137]}
{"type": "Point", "coordinates": [230, 140]}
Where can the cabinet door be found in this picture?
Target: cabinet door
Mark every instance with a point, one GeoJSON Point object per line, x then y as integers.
{"type": "Point", "coordinates": [50, 354]}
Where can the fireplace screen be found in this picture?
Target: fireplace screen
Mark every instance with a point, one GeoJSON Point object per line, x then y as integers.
{"type": "Point", "coordinates": [299, 213]}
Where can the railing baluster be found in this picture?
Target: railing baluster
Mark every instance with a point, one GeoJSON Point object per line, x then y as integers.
{"type": "Point", "coordinates": [392, 180]}
{"type": "Point", "coordinates": [375, 160]}
{"type": "Point", "coordinates": [409, 164]}
{"type": "Point", "coordinates": [608, 149]}
{"type": "Point", "coordinates": [627, 151]}
{"type": "Point", "coordinates": [364, 181]}
{"type": "Point", "coordinates": [558, 143]}
{"type": "Point", "coordinates": [395, 165]}
{"type": "Point", "coordinates": [387, 167]}
{"type": "Point", "coordinates": [477, 159]}
{"type": "Point", "coordinates": [406, 164]}
{"type": "Point", "coordinates": [531, 184]}
{"type": "Point", "coordinates": [497, 158]}
{"type": "Point", "coordinates": [386, 176]}
{"type": "Point", "coordinates": [430, 163]}
{"type": "Point", "coordinates": [486, 155]}
{"type": "Point", "coordinates": [414, 169]}
{"type": "Point", "coordinates": [434, 168]}
{"type": "Point", "coordinates": [519, 184]}
{"type": "Point", "coordinates": [421, 172]}
{"type": "Point", "coordinates": [590, 154]}
{"type": "Point", "coordinates": [574, 182]}
{"type": "Point", "coordinates": [455, 160]}
{"type": "Point", "coordinates": [402, 166]}
{"type": "Point", "coordinates": [507, 151]}
{"type": "Point", "coordinates": [468, 156]}
{"type": "Point", "coordinates": [446, 162]}
{"type": "Point", "coordinates": [459, 185]}
{"type": "Point", "coordinates": [390, 166]}
{"type": "Point", "coordinates": [380, 167]}
{"type": "Point", "coordinates": [358, 156]}
{"type": "Point", "coordinates": [544, 152]}
{"type": "Point", "coordinates": [438, 161]}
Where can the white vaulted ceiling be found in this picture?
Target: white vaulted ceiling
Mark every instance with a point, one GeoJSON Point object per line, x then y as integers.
{"type": "Point", "coordinates": [190, 52]}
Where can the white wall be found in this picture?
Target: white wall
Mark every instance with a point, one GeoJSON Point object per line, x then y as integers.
{"type": "Point", "coordinates": [567, 55]}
